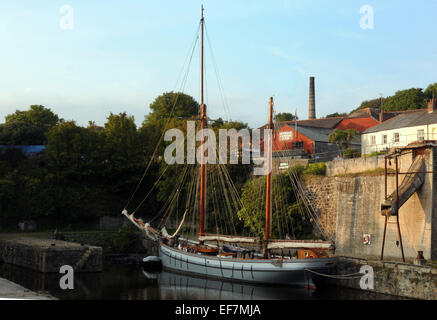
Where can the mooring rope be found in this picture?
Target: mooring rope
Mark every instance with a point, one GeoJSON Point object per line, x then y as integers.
{"type": "Point", "coordinates": [338, 276]}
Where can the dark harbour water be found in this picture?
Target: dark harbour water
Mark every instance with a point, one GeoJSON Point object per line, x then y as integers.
{"type": "Point", "coordinates": [131, 282]}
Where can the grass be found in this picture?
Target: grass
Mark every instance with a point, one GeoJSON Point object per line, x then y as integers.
{"type": "Point", "coordinates": [373, 154]}
{"type": "Point", "coordinates": [367, 173]}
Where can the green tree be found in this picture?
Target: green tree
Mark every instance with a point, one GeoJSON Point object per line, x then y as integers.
{"type": "Point", "coordinates": [183, 106]}
{"type": "Point", "coordinates": [413, 98]}
{"type": "Point", "coordinates": [75, 151]}
{"type": "Point", "coordinates": [124, 154]}
{"type": "Point", "coordinates": [336, 114]}
{"type": "Point", "coordinates": [286, 217]}
{"type": "Point", "coordinates": [374, 103]}
{"type": "Point", "coordinates": [20, 133]}
{"type": "Point", "coordinates": [431, 91]}
{"type": "Point", "coordinates": [343, 138]}
{"type": "Point", "coordinates": [284, 116]}
{"type": "Point", "coordinates": [37, 115]}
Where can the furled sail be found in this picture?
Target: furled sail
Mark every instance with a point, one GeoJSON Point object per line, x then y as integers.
{"type": "Point", "coordinates": [145, 227]}
{"type": "Point", "coordinates": [228, 238]}
{"type": "Point", "coordinates": [282, 244]}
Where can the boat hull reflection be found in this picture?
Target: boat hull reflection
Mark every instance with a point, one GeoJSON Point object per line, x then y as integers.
{"type": "Point", "coordinates": [173, 285]}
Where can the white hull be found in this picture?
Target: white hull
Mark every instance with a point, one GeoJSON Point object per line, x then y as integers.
{"type": "Point", "coordinates": [262, 271]}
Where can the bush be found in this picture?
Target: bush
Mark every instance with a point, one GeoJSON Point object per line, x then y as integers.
{"type": "Point", "coordinates": [124, 240]}
{"type": "Point", "coordinates": [373, 154]}
{"type": "Point", "coordinates": [316, 169]}
{"type": "Point", "coordinates": [351, 153]}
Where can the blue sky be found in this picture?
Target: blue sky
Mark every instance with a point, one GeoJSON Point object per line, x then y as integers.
{"type": "Point", "coordinates": [120, 55]}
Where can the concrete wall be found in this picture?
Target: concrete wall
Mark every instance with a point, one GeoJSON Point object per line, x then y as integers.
{"type": "Point", "coordinates": [354, 165]}
{"type": "Point", "coordinates": [354, 203]}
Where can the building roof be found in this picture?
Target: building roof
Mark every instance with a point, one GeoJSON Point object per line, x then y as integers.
{"type": "Point", "coordinates": [360, 123]}
{"type": "Point", "coordinates": [26, 149]}
{"type": "Point", "coordinates": [412, 118]}
{"type": "Point", "coordinates": [315, 134]}
{"type": "Point", "coordinates": [327, 123]}
{"type": "Point", "coordinates": [374, 112]}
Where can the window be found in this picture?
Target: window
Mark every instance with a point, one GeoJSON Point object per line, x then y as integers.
{"type": "Point", "coordinates": [396, 137]}
{"type": "Point", "coordinates": [420, 135]}
{"type": "Point", "coordinates": [384, 138]}
{"type": "Point", "coordinates": [285, 135]}
{"type": "Point", "coordinates": [372, 139]}
{"type": "Point", "coordinates": [297, 145]}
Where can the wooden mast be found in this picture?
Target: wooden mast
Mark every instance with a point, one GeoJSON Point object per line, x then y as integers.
{"type": "Point", "coordinates": [203, 124]}
{"type": "Point", "coordinates": [269, 183]}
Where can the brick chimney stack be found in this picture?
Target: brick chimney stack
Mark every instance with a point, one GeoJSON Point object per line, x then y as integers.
{"type": "Point", "coordinates": [431, 105]}
{"type": "Point", "coordinates": [381, 116]}
{"type": "Point", "coordinates": [312, 102]}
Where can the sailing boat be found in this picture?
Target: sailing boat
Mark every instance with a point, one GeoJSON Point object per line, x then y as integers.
{"type": "Point", "coordinates": [223, 256]}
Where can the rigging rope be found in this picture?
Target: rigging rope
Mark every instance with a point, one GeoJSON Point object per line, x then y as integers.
{"type": "Point", "coordinates": [168, 120]}
{"type": "Point", "coordinates": [338, 276]}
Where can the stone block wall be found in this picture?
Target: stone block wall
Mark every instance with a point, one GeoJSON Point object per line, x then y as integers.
{"type": "Point", "coordinates": [355, 165]}
{"type": "Point", "coordinates": [41, 255]}
{"type": "Point", "coordinates": [350, 207]}
{"type": "Point", "coordinates": [322, 192]}
{"type": "Point", "coordinates": [397, 279]}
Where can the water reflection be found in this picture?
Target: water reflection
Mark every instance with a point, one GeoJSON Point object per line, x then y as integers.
{"type": "Point", "coordinates": [132, 282]}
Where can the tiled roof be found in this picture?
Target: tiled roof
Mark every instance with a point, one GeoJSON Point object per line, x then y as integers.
{"type": "Point", "coordinates": [361, 123]}
{"type": "Point", "coordinates": [412, 118]}
{"type": "Point", "coordinates": [327, 123]}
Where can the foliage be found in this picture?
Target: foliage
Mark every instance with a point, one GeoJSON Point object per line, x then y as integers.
{"type": "Point", "coordinates": [285, 116]}
{"type": "Point", "coordinates": [37, 115]}
{"type": "Point", "coordinates": [286, 217]}
{"type": "Point", "coordinates": [316, 169]}
{"type": "Point", "coordinates": [90, 171]}
{"type": "Point", "coordinates": [74, 150]}
{"type": "Point", "coordinates": [375, 153]}
{"type": "Point", "coordinates": [184, 106]}
{"type": "Point", "coordinates": [20, 133]}
{"type": "Point", "coordinates": [374, 103]}
{"type": "Point", "coordinates": [124, 240]}
{"type": "Point", "coordinates": [413, 98]}
{"type": "Point", "coordinates": [351, 153]}
{"type": "Point", "coordinates": [336, 114]}
{"type": "Point", "coordinates": [343, 138]}
{"type": "Point", "coordinates": [431, 91]}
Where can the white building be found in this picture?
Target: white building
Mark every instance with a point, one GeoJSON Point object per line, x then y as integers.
{"type": "Point", "coordinates": [417, 125]}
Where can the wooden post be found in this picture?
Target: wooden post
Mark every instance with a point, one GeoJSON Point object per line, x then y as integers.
{"type": "Point", "coordinates": [203, 124]}
{"type": "Point", "coordinates": [397, 209]}
{"type": "Point", "coordinates": [383, 238]}
{"type": "Point", "coordinates": [268, 183]}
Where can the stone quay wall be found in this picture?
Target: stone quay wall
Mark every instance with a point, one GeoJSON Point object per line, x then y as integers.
{"type": "Point", "coordinates": [349, 208]}
{"type": "Point", "coordinates": [46, 255]}
{"type": "Point", "coordinates": [322, 191]}
{"type": "Point", "coordinates": [392, 278]}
